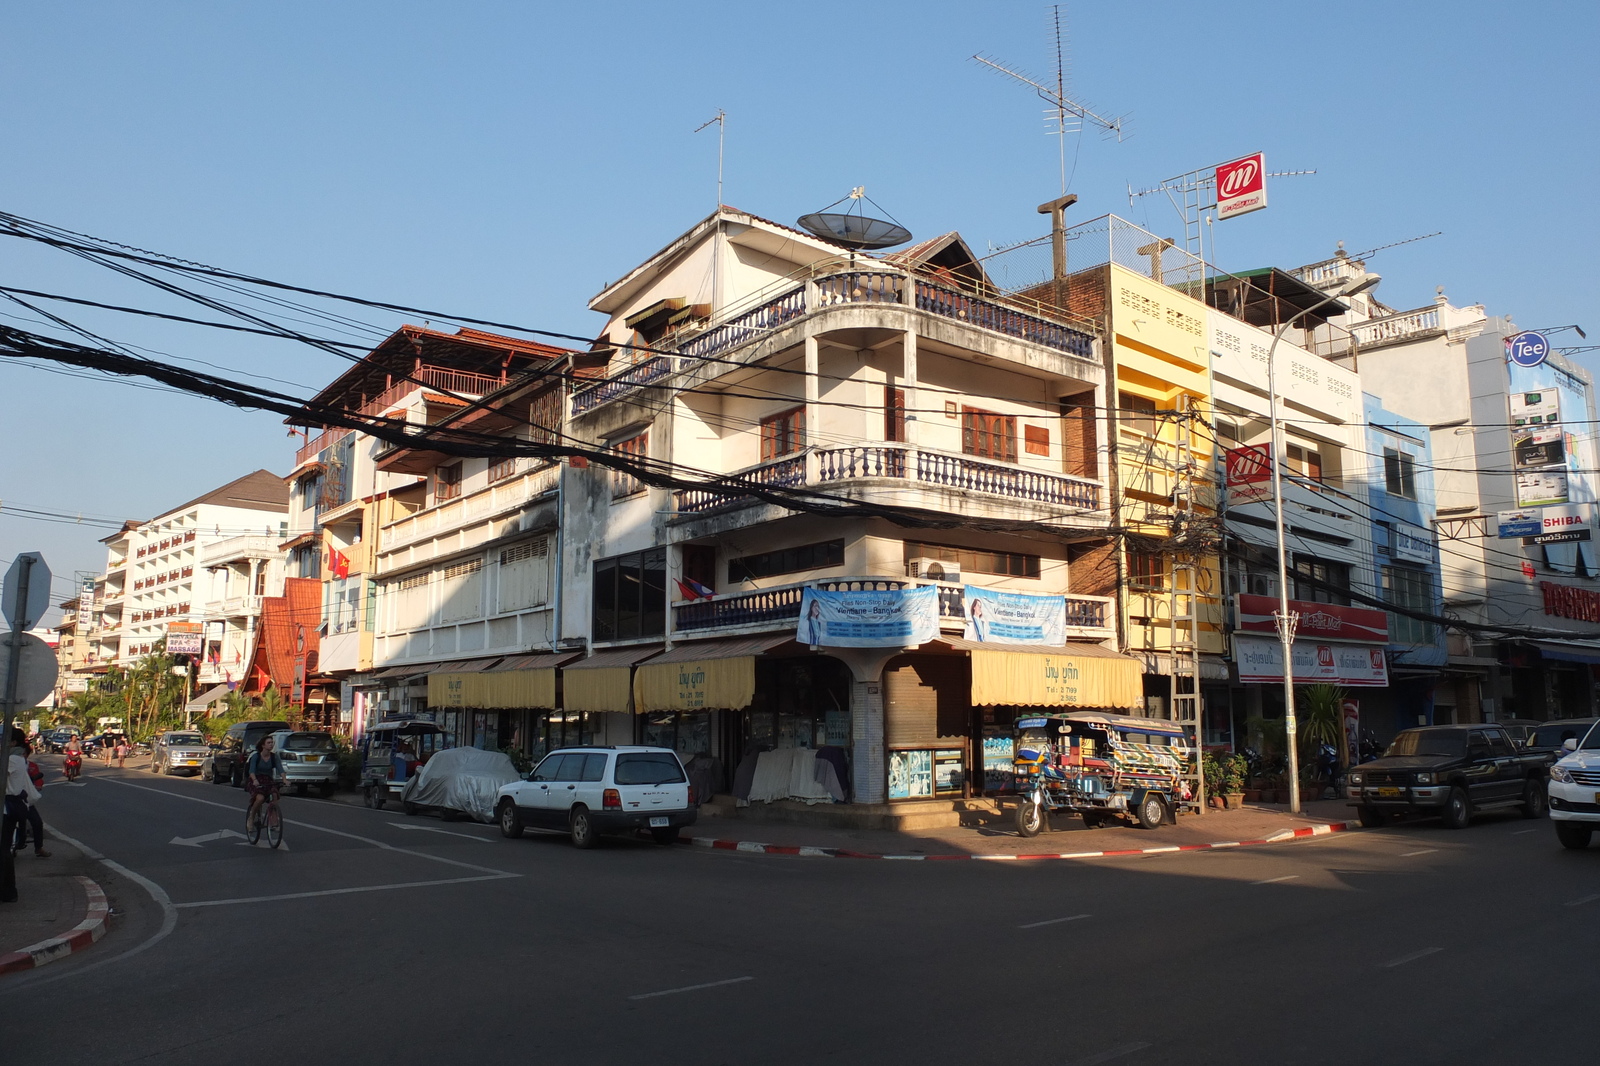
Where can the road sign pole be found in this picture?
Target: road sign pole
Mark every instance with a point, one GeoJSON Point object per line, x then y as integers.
{"type": "Point", "coordinates": [8, 869]}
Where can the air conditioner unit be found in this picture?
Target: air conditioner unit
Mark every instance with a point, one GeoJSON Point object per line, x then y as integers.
{"type": "Point", "coordinates": [934, 570]}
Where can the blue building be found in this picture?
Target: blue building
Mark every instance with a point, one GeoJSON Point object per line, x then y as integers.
{"type": "Point", "coordinates": [1402, 506]}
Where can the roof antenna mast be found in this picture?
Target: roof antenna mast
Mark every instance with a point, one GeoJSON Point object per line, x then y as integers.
{"type": "Point", "coordinates": [721, 120]}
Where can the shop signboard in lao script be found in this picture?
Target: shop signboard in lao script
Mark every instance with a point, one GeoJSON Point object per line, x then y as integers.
{"type": "Point", "coordinates": [1514, 525]}
{"type": "Point", "coordinates": [1242, 185]}
{"type": "Point", "coordinates": [868, 618]}
{"type": "Point", "coordinates": [1537, 439]}
{"type": "Point", "coordinates": [1318, 621]}
{"type": "Point", "coordinates": [1559, 524]}
{"type": "Point", "coordinates": [1249, 474]}
{"type": "Point", "coordinates": [1014, 617]}
{"type": "Point", "coordinates": [1260, 662]}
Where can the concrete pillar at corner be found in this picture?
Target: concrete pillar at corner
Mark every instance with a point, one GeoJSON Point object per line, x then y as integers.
{"type": "Point", "coordinates": [869, 784]}
{"type": "Point", "coordinates": [908, 373]}
{"type": "Point", "coordinates": [812, 391]}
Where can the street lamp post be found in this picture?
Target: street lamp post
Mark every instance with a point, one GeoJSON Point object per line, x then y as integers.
{"type": "Point", "coordinates": [1287, 620]}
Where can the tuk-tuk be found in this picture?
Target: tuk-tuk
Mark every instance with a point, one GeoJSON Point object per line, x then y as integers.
{"type": "Point", "coordinates": [391, 752]}
{"type": "Point", "coordinates": [1101, 766]}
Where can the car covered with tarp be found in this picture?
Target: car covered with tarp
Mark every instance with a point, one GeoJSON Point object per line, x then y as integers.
{"type": "Point", "coordinates": [459, 781]}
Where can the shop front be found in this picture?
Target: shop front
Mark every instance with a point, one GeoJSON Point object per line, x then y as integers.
{"type": "Point", "coordinates": [497, 702]}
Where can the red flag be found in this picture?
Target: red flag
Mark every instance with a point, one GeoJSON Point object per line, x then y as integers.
{"type": "Point", "coordinates": [339, 563]}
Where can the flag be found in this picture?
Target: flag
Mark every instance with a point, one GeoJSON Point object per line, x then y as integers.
{"type": "Point", "coordinates": [339, 563]}
{"type": "Point", "coordinates": [694, 590]}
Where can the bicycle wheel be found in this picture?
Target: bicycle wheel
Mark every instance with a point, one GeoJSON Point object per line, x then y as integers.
{"type": "Point", "coordinates": [274, 826]}
{"type": "Point", "coordinates": [252, 826]}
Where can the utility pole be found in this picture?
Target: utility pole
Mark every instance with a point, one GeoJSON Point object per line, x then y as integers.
{"type": "Point", "coordinates": [22, 606]}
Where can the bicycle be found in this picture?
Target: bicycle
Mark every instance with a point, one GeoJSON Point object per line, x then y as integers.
{"type": "Point", "coordinates": [266, 816]}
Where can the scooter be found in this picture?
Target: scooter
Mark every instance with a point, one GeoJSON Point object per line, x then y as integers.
{"type": "Point", "coordinates": [72, 766]}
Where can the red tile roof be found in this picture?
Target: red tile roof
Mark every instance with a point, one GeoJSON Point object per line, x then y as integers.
{"type": "Point", "coordinates": [289, 628]}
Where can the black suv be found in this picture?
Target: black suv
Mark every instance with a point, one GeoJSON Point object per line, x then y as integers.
{"type": "Point", "coordinates": [238, 744]}
{"type": "Point", "coordinates": [1453, 771]}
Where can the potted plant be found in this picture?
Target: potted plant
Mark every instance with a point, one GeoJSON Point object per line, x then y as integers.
{"type": "Point", "coordinates": [1233, 770]}
{"type": "Point", "coordinates": [1212, 770]}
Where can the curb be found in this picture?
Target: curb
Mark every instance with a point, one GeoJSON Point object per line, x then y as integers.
{"type": "Point", "coordinates": [86, 932]}
{"type": "Point", "coordinates": [753, 847]}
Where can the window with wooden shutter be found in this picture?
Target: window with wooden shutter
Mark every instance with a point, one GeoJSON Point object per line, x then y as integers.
{"type": "Point", "coordinates": [783, 433]}
{"type": "Point", "coordinates": [624, 483]}
{"type": "Point", "coordinates": [991, 435]}
{"type": "Point", "coordinates": [894, 414]}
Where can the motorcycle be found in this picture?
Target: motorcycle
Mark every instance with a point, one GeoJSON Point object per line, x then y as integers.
{"type": "Point", "coordinates": [72, 766]}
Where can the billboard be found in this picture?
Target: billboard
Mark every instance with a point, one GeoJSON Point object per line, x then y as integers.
{"type": "Point", "coordinates": [1513, 525]}
{"type": "Point", "coordinates": [1242, 186]}
{"type": "Point", "coordinates": [1249, 474]}
{"type": "Point", "coordinates": [1318, 621]}
{"type": "Point", "coordinates": [1260, 662]}
{"type": "Point", "coordinates": [1541, 488]}
{"type": "Point", "coordinates": [1559, 524]}
{"type": "Point", "coordinates": [1536, 436]}
{"type": "Point", "coordinates": [869, 618]}
{"type": "Point", "coordinates": [1014, 617]}
{"type": "Point", "coordinates": [185, 638]}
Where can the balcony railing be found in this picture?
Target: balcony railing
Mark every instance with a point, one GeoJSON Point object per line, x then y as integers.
{"type": "Point", "coordinates": [234, 607]}
{"type": "Point", "coordinates": [460, 382]}
{"type": "Point", "coordinates": [875, 286]}
{"type": "Point", "coordinates": [471, 508]}
{"type": "Point", "coordinates": [1086, 615]}
{"type": "Point", "coordinates": [901, 462]}
{"type": "Point", "coordinates": [1397, 327]}
{"type": "Point", "coordinates": [239, 548]}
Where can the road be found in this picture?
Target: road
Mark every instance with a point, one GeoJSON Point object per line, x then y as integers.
{"type": "Point", "coordinates": [377, 938]}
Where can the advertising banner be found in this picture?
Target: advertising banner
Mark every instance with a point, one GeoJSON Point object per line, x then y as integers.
{"type": "Point", "coordinates": [1249, 474]}
{"type": "Point", "coordinates": [1318, 621]}
{"type": "Point", "coordinates": [1558, 524]}
{"type": "Point", "coordinates": [1513, 525]}
{"type": "Point", "coordinates": [185, 638]}
{"type": "Point", "coordinates": [869, 618]}
{"type": "Point", "coordinates": [1242, 186]}
{"type": "Point", "coordinates": [1411, 543]}
{"type": "Point", "coordinates": [1000, 617]}
{"type": "Point", "coordinates": [1536, 436]}
{"type": "Point", "coordinates": [1541, 488]}
{"type": "Point", "coordinates": [1260, 662]}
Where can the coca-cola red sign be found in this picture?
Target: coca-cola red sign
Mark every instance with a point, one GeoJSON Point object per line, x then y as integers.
{"type": "Point", "coordinates": [1242, 186]}
{"type": "Point", "coordinates": [1318, 621]}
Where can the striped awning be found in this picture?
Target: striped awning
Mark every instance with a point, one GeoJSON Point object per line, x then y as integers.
{"type": "Point", "coordinates": [702, 675]}
{"type": "Point", "coordinates": [604, 681]}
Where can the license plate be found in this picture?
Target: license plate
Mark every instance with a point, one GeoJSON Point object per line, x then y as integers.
{"type": "Point", "coordinates": [1388, 792]}
{"type": "Point", "coordinates": [658, 822]}
{"type": "Point", "coordinates": [1597, 797]}
{"type": "Point", "coordinates": [313, 758]}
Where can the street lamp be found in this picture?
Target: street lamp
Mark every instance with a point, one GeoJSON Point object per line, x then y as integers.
{"type": "Point", "coordinates": [1287, 620]}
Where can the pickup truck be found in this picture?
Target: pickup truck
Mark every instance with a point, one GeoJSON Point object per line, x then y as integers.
{"type": "Point", "coordinates": [1453, 771]}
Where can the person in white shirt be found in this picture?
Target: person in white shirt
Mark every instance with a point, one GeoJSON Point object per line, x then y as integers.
{"type": "Point", "coordinates": [20, 791]}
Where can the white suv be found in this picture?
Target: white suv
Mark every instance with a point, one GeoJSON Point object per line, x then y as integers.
{"type": "Point", "coordinates": [593, 790]}
{"type": "Point", "coordinates": [1575, 790]}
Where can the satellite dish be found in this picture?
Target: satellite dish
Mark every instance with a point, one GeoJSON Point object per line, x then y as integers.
{"type": "Point", "coordinates": [854, 230]}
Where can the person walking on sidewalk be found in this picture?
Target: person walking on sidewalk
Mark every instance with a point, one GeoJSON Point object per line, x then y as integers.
{"type": "Point", "coordinates": [19, 790]}
{"type": "Point", "coordinates": [30, 818]}
{"type": "Point", "coordinates": [123, 747]}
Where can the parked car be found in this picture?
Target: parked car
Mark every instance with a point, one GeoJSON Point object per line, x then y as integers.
{"type": "Point", "coordinates": [1454, 771]}
{"type": "Point", "coordinates": [1519, 728]}
{"type": "Point", "coordinates": [459, 781]}
{"type": "Point", "coordinates": [55, 741]}
{"type": "Point", "coordinates": [1546, 738]}
{"type": "Point", "coordinates": [227, 762]}
{"type": "Point", "coordinates": [587, 792]}
{"type": "Point", "coordinates": [183, 750]}
{"type": "Point", "coordinates": [308, 759]}
{"type": "Point", "coordinates": [1575, 790]}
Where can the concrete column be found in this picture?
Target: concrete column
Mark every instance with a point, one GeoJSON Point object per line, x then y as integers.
{"type": "Point", "coordinates": [868, 785]}
{"type": "Point", "coordinates": [908, 373]}
{"type": "Point", "coordinates": [813, 391]}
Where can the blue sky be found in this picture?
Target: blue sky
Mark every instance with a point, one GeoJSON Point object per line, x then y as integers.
{"type": "Point", "coordinates": [506, 160]}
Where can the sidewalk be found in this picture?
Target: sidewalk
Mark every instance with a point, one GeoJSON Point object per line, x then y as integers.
{"type": "Point", "coordinates": [995, 835]}
{"type": "Point", "coordinates": [59, 908]}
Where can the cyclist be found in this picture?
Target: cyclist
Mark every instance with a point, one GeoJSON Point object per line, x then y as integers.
{"type": "Point", "coordinates": [263, 775]}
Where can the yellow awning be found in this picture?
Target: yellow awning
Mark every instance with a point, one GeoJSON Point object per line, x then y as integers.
{"type": "Point", "coordinates": [1056, 678]}
{"type": "Point", "coordinates": [603, 682]}
{"type": "Point", "coordinates": [505, 688]}
{"type": "Point", "coordinates": [699, 676]}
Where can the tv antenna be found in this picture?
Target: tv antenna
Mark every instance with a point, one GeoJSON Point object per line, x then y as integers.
{"type": "Point", "coordinates": [1064, 113]}
{"type": "Point", "coordinates": [1193, 195]}
{"type": "Point", "coordinates": [720, 120]}
{"type": "Point", "coordinates": [1370, 252]}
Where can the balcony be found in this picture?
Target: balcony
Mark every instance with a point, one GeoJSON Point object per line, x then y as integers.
{"type": "Point", "coordinates": [906, 464]}
{"type": "Point", "coordinates": [1011, 317]}
{"type": "Point", "coordinates": [239, 550]}
{"type": "Point", "coordinates": [234, 607]}
{"type": "Point", "coordinates": [472, 508]}
{"type": "Point", "coordinates": [1088, 617]}
{"type": "Point", "coordinates": [458, 382]}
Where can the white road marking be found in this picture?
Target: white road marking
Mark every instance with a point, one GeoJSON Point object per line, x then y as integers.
{"type": "Point", "coordinates": [1277, 880]}
{"type": "Point", "coordinates": [692, 988]}
{"type": "Point", "coordinates": [1424, 851]}
{"type": "Point", "coordinates": [1109, 1054]}
{"type": "Point", "coordinates": [339, 891]}
{"type": "Point", "coordinates": [1054, 921]}
{"type": "Point", "coordinates": [1582, 901]}
{"type": "Point", "coordinates": [324, 829]}
{"type": "Point", "coordinates": [1413, 957]}
{"type": "Point", "coordinates": [446, 832]}
{"type": "Point", "coordinates": [195, 842]}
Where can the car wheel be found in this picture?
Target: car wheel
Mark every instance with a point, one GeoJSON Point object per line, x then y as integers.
{"type": "Point", "coordinates": [1030, 819]}
{"type": "Point", "coordinates": [1152, 811]}
{"type": "Point", "coordinates": [581, 827]}
{"type": "Point", "coordinates": [665, 836]}
{"type": "Point", "coordinates": [1534, 800]}
{"type": "Point", "coordinates": [1457, 809]}
{"type": "Point", "coordinates": [447, 814]}
{"type": "Point", "coordinates": [1574, 835]}
{"type": "Point", "coordinates": [510, 820]}
{"type": "Point", "coordinates": [1369, 816]}
{"type": "Point", "coordinates": [366, 797]}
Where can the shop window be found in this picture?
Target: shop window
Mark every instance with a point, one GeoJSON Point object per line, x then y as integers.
{"type": "Point", "coordinates": [894, 414]}
{"type": "Point", "coordinates": [990, 435]}
{"type": "Point", "coordinates": [447, 482]}
{"type": "Point", "coordinates": [1318, 581]}
{"type": "Point", "coordinates": [1147, 570]}
{"type": "Point", "coordinates": [1137, 413]}
{"type": "Point", "coordinates": [783, 433]}
{"type": "Point", "coordinates": [1399, 474]}
{"type": "Point", "coordinates": [630, 595]}
{"type": "Point", "coordinates": [624, 483]}
{"type": "Point", "coordinates": [976, 560]}
{"type": "Point", "coordinates": [1409, 587]}
{"type": "Point", "coordinates": [787, 561]}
